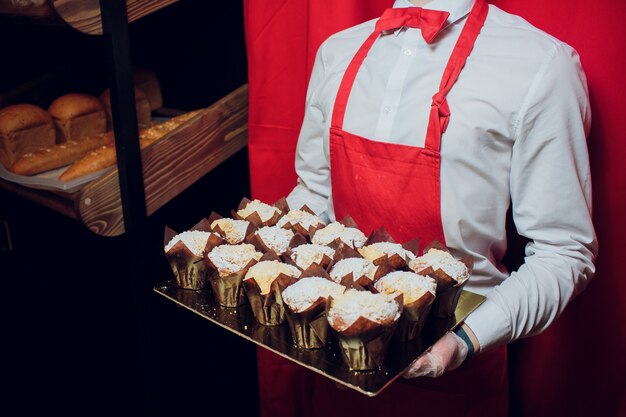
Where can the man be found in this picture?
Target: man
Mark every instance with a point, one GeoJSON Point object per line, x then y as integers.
{"type": "Point", "coordinates": [434, 125]}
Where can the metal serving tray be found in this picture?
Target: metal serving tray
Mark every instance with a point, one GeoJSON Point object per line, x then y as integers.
{"type": "Point", "coordinates": [326, 361]}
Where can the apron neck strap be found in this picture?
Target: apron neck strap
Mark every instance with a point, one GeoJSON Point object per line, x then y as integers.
{"type": "Point", "coordinates": [439, 109]}
{"type": "Point", "coordinates": [440, 112]}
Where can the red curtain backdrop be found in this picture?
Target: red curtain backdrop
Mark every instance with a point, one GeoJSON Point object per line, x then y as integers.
{"type": "Point", "coordinates": [578, 366]}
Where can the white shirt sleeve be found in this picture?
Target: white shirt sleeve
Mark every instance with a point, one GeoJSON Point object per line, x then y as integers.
{"type": "Point", "coordinates": [551, 202]}
{"type": "Point", "coordinates": [311, 165]}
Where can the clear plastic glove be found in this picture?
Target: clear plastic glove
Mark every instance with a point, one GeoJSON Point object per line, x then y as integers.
{"type": "Point", "coordinates": [446, 354]}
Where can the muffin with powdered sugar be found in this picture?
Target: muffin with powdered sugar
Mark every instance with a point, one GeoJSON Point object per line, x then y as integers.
{"type": "Point", "coordinates": [364, 323]}
{"type": "Point", "coordinates": [418, 294]}
{"type": "Point", "coordinates": [259, 213]}
{"type": "Point", "coordinates": [337, 232]}
{"type": "Point", "coordinates": [451, 275]}
{"type": "Point", "coordinates": [232, 230]}
{"type": "Point", "coordinates": [350, 268]}
{"type": "Point", "coordinates": [273, 238]}
{"type": "Point", "coordinates": [230, 264]}
{"type": "Point", "coordinates": [303, 221]}
{"type": "Point", "coordinates": [306, 302]}
{"type": "Point", "coordinates": [263, 283]}
{"type": "Point", "coordinates": [184, 252]}
{"type": "Point", "coordinates": [305, 255]}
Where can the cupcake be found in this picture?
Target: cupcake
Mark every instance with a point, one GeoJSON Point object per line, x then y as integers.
{"type": "Point", "coordinates": [336, 231]}
{"type": "Point", "coordinates": [449, 273]}
{"type": "Point", "coordinates": [274, 238]}
{"type": "Point", "coordinates": [308, 254]}
{"type": "Point", "coordinates": [305, 303]}
{"type": "Point", "coordinates": [233, 231]}
{"type": "Point", "coordinates": [263, 283]}
{"type": "Point", "coordinates": [395, 254]}
{"type": "Point", "coordinates": [364, 323]}
{"type": "Point", "coordinates": [301, 221]}
{"type": "Point", "coordinates": [258, 213]}
{"type": "Point", "coordinates": [231, 262]}
{"type": "Point", "coordinates": [184, 252]}
{"type": "Point", "coordinates": [418, 294]}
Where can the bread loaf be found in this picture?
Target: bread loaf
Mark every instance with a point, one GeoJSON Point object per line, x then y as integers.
{"type": "Point", "coordinates": [105, 156]}
{"type": "Point", "coordinates": [59, 155]}
{"type": "Point", "coordinates": [23, 129]}
{"type": "Point", "coordinates": [146, 81]}
{"type": "Point", "coordinates": [142, 106]}
{"type": "Point", "coordinates": [77, 116]}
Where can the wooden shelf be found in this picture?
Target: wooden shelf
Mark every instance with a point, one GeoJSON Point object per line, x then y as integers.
{"type": "Point", "coordinates": [170, 166]}
{"type": "Point", "coordinates": [83, 15]}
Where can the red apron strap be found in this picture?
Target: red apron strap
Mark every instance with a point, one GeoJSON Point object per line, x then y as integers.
{"type": "Point", "coordinates": [439, 110]}
{"type": "Point", "coordinates": [341, 102]}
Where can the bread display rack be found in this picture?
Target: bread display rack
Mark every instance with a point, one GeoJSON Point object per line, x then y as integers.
{"type": "Point", "coordinates": [83, 15]}
{"type": "Point", "coordinates": [170, 165]}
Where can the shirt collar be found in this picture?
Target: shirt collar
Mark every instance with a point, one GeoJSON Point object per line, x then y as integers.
{"type": "Point", "coordinates": [457, 8]}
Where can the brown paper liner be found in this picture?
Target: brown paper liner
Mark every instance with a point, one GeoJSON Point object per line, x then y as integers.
{"type": "Point", "coordinates": [268, 309]}
{"type": "Point", "coordinates": [364, 343]}
{"type": "Point", "coordinates": [348, 221]}
{"type": "Point", "coordinates": [309, 328]}
{"type": "Point", "coordinates": [228, 291]}
{"type": "Point", "coordinates": [366, 353]}
{"type": "Point", "coordinates": [413, 318]}
{"type": "Point", "coordinates": [190, 271]}
{"type": "Point", "coordinates": [315, 270]}
{"type": "Point", "coordinates": [446, 301]}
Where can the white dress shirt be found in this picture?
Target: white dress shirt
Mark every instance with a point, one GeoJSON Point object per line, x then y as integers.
{"type": "Point", "coordinates": [517, 138]}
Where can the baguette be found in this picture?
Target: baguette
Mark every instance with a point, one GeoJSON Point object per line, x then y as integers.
{"type": "Point", "coordinates": [105, 156]}
{"type": "Point", "coordinates": [55, 156]}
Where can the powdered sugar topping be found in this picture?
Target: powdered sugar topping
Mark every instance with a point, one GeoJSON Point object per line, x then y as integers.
{"type": "Point", "coordinates": [349, 235]}
{"type": "Point", "coordinates": [411, 285]}
{"type": "Point", "coordinates": [301, 217]}
{"type": "Point", "coordinates": [265, 211]}
{"type": "Point", "coordinates": [379, 249]}
{"type": "Point", "coordinates": [308, 254]}
{"type": "Point", "coordinates": [302, 294]}
{"type": "Point", "coordinates": [195, 240]}
{"type": "Point", "coordinates": [234, 230]}
{"type": "Point", "coordinates": [347, 308]}
{"type": "Point", "coordinates": [357, 266]}
{"type": "Point", "coordinates": [275, 238]}
{"type": "Point", "coordinates": [230, 259]}
{"type": "Point", "coordinates": [440, 259]}
{"type": "Point", "coordinates": [265, 272]}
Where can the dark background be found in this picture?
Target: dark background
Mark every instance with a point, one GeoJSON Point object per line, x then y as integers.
{"type": "Point", "coordinates": [74, 338]}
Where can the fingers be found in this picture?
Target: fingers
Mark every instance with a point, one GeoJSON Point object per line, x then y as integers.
{"type": "Point", "coordinates": [445, 355]}
{"type": "Point", "coordinates": [428, 365]}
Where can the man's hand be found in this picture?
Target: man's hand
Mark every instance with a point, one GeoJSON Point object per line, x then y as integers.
{"type": "Point", "coordinates": [446, 354]}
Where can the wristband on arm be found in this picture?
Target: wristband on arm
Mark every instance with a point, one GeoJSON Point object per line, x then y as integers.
{"type": "Point", "coordinates": [460, 331]}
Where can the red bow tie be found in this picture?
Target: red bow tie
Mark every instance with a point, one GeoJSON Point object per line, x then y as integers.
{"type": "Point", "coordinates": [429, 21]}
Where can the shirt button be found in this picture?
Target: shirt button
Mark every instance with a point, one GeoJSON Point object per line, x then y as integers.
{"type": "Point", "coordinates": [387, 109]}
{"type": "Point", "coordinates": [407, 52]}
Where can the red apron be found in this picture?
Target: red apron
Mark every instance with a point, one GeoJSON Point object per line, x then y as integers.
{"type": "Point", "coordinates": [398, 187]}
